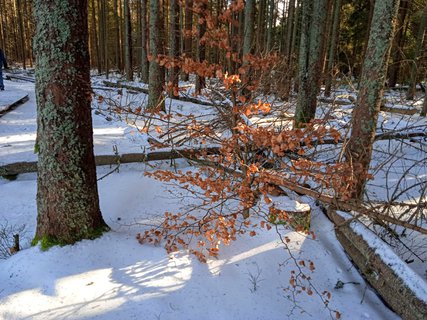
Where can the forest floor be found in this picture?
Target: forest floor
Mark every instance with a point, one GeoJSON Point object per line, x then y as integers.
{"type": "Point", "coordinates": [115, 277]}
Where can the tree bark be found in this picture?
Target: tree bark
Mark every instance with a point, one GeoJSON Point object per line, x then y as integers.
{"type": "Point", "coordinates": [414, 73]}
{"type": "Point", "coordinates": [67, 194]}
{"type": "Point", "coordinates": [271, 21]}
{"type": "Point", "coordinates": [332, 48]}
{"type": "Point", "coordinates": [188, 39]}
{"type": "Point", "coordinates": [368, 105]}
{"type": "Point", "coordinates": [424, 109]}
{"type": "Point", "coordinates": [21, 33]}
{"type": "Point", "coordinates": [117, 46]}
{"type": "Point", "coordinates": [396, 52]}
{"type": "Point", "coordinates": [247, 46]}
{"type": "Point", "coordinates": [96, 58]}
{"type": "Point", "coordinates": [144, 30]}
{"type": "Point", "coordinates": [310, 59]}
{"type": "Point", "coordinates": [260, 32]}
{"type": "Point", "coordinates": [201, 46]}
{"type": "Point", "coordinates": [128, 42]}
{"type": "Point", "coordinates": [174, 46]}
{"type": "Point", "coordinates": [155, 81]}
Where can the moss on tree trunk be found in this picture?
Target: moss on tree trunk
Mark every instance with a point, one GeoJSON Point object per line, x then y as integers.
{"type": "Point", "coordinates": [368, 105]}
{"type": "Point", "coordinates": [67, 194]}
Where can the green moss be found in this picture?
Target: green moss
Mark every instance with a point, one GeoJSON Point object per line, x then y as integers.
{"type": "Point", "coordinates": [46, 242]}
{"type": "Point", "coordinates": [36, 148]}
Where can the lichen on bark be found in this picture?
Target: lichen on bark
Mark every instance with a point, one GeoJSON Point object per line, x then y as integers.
{"type": "Point", "coordinates": [67, 195]}
{"type": "Point", "coordinates": [365, 114]}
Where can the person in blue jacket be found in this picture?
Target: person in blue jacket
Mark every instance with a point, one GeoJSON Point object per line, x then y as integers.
{"type": "Point", "coordinates": [3, 62]}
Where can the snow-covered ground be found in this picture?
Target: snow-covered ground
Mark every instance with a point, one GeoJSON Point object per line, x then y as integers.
{"type": "Point", "coordinates": [114, 277]}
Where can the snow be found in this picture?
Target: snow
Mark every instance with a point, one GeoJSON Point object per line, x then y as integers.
{"type": "Point", "coordinates": [409, 277]}
{"type": "Point", "coordinates": [10, 96]}
{"type": "Point", "coordinates": [114, 277]}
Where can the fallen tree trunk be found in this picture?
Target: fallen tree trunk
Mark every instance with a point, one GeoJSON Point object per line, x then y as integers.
{"type": "Point", "coordinates": [18, 77]}
{"type": "Point", "coordinates": [348, 205]}
{"type": "Point", "coordinates": [404, 294]}
{"type": "Point", "coordinates": [390, 285]}
{"type": "Point", "coordinates": [26, 167]}
{"type": "Point", "coordinates": [143, 90]}
{"type": "Point", "coordinates": [13, 105]}
{"type": "Point", "coordinates": [400, 288]}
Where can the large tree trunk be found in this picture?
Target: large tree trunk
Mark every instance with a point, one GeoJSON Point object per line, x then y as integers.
{"type": "Point", "coordinates": [67, 194]}
{"type": "Point", "coordinates": [368, 105]}
{"type": "Point", "coordinates": [155, 81]}
{"type": "Point", "coordinates": [310, 59]}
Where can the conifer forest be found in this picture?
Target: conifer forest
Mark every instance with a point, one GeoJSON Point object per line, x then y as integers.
{"type": "Point", "coordinates": [213, 159]}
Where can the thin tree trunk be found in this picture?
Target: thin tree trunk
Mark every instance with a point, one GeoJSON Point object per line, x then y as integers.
{"type": "Point", "coordinates": [310, 59]}
{"type": "Point", "coordinates": [332, 47]}
{"type": "Point", "coordinates": [188, 39]}
{"type": "Point", "coordinates": [21, 33]}
{"type": "Point", "coordinates": [201, 46]}
{"type": "Point", "coordinates": [289, 29]}
{"type": "Point", "coordinates": [101, 34]}
{"type": "Point", "coordinates": [144, 31]}
{"type": "Point", "coordinates": [415, 64]}
{"type": "Point", "coordinates": [262, 10]}
{"type": "Point", "coordinates": [294, 48]}
{"type": "Point", "coordinates": [67, 194]}
{"type": "Point", "coordinates": [2, 35]}
{"type": "Point", "coordinates": [396, 52]}
{"type": "Point", "coordinates": [138, 48]}
{"type": "Point", "coordinates": [368, 105]}
{"type": "Point", "coordinates": [95, 37]}
{"type": "Point", "coordinates": [116, 34]}
{"type": "Point", "coordinates": [128, 42]}
{"type": "Point", "coordinates": [247, 45]}
{"type": "Point", "coordinates": [424, 109]}
{"type": "Point", "coordinates": [105, 37]}
{"type": "Point", "coordinates": [29, 30]}
{"type": "Point", "coordinates": [235, 40]}
{"type": "Point", "coordinates": [174, 46]}
{"type": "Point", "coordinates": [271, 19]}
{"type": "Point", "coordinates": [155, 81]}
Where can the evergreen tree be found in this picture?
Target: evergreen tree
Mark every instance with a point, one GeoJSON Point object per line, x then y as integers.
{"type": "Point", "coordinates": [67, 194]}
